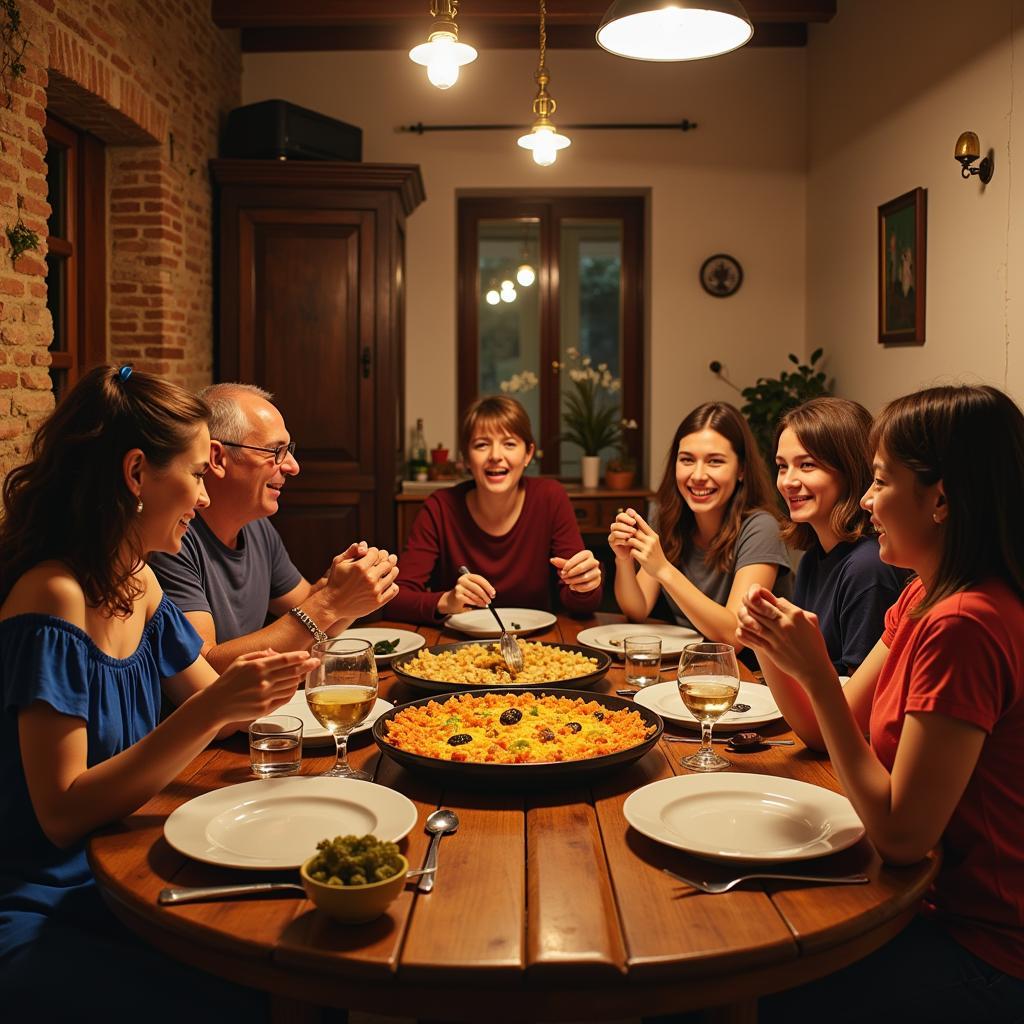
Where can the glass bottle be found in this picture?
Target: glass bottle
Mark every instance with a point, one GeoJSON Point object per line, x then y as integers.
{"type": "Point", "coordinates": [418, 453]}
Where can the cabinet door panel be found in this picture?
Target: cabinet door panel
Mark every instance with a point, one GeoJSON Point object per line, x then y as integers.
{"type": "Point", "coordinates": [311, 274]}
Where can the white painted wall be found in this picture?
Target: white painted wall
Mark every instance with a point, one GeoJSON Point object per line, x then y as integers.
{"type": "Point", "coordinates": [735, 185]}
{"type": "Point", "coordinates": [890, 87]}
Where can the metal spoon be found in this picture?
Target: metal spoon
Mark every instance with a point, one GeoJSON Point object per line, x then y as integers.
{"type": "Point", "coordinates": [197, 893]}
{"type": "Point", "coordinates": [437, 824]}
{"type": "Point", "coordinates": [507, 644]}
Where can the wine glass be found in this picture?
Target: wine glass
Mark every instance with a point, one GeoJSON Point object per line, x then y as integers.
{"type": "Point", "coordinates": [340, 693]}
{"type": "Point", "coordinates": [709, 680]}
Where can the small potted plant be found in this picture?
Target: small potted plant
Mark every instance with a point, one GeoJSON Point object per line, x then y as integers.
{"type": "Point", "coordinates": [621, 470]}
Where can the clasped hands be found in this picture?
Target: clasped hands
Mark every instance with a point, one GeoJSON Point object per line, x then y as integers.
{"type": "Point", "coordinates": [632, 537]}
{"type": "Point", "coordinates": [360, 580]}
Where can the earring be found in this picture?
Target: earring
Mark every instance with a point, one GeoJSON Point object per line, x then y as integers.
{"type": "Point", "coordinates": [935, 518]}
{"type": "Point", "coordinates": [138, 508]}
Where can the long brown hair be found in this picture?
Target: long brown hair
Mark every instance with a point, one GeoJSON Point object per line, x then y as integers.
{"type": "Point", "coordinates": [70, 501]}
{"type": "Point", "coordinates": [834, 432]}
{"type": "Point", "coordinates": [972, 440]}
{"type": "Point", "coordinates": [676, 521]}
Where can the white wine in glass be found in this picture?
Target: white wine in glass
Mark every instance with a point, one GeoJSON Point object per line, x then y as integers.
{"type": "Point", "coordinates": [341, 692]}
{"type": "Point", "coordinates": [709, 681]}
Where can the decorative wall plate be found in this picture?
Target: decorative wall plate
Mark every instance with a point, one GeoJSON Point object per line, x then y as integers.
{"type": "Point", "coordinates": [721, 275]}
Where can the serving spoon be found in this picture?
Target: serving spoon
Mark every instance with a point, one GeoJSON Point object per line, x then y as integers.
{"type": "Point", "coordinates": [507, 644]}
{"type": "Point", "coordinates": [437, 824]}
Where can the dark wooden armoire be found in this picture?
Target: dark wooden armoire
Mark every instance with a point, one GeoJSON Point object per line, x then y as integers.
{"type": "Point", "coordinates": [311, 307]}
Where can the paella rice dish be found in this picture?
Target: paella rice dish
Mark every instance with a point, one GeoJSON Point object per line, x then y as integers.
{"type": "Point", "coordinates": [515, 728]}
{"type": "Point", "coordinates": [483, 665]}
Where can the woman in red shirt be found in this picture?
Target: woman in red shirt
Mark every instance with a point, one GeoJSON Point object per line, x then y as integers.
{"type": "Point", "coordinates": [516, 534]}
{"type": "Point", "coordinates": [941, 697]}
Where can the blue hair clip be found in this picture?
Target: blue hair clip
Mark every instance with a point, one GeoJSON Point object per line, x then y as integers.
{"type": "Point", "coordinates": [125, 372]}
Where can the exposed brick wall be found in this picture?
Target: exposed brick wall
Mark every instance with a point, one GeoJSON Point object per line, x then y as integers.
{"type": "Point", "coordinates": [153, 79]}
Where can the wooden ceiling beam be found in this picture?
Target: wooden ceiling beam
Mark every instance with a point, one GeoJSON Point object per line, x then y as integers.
{"type": "Point", "coordinates": [512, 37]}
{"type": "Point", "coordinates": [474, 14]}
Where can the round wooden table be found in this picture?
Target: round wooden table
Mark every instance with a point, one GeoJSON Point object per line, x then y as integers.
{"type": "Point", "coordinates": [547, 906]}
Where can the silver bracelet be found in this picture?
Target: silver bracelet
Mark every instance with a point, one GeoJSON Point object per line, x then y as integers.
{"type": "Point", "coordinates": [318, 634]}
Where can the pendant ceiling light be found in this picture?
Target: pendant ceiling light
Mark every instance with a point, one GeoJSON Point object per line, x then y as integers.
{"type": "Point", "coordinates": [443, 54]}
{"type": "Point", "coordinates": [543, 139]}
{"type": "Point", "coordinates": [674, 29]}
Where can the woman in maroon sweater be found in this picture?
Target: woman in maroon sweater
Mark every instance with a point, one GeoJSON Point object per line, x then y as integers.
{"type": "Point", "coordinates": [516, 534]}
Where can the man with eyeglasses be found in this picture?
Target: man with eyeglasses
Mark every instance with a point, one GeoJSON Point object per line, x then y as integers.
{"type": "Point", "coordinates": [233, 571]}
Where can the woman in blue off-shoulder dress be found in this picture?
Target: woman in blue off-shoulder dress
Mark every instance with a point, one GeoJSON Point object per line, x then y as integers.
{"type": "Point", "coordinates": [87, 645]}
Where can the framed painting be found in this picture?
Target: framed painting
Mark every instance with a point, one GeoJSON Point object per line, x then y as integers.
{"type": "Point", "coordinates": [902, 255]}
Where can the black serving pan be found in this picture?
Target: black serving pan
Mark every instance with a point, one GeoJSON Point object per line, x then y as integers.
{"type": "Point", "coordinates": [521, 775]}
{"type": "Point", "coordinates": [604, 662]}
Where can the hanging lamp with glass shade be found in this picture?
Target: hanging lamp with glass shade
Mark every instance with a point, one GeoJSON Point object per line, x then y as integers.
{"type": "Point", "coordinates": [443, 54]}
{"type": "Point", "coordinates": [674, 29]}
{"type": "Point", "coordinates": [543, 139]}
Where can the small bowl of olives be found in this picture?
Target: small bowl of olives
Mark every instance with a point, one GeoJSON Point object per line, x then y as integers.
{"type": "Point", "coordinates": [354, 878]}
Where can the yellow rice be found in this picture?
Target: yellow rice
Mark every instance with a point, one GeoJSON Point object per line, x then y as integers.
{"type": "Point", "coordinates": [483, 665]}
{"type": "Point", "coordinates": [542, 735]}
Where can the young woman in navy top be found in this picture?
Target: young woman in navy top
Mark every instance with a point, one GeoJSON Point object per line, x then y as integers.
{"type": "Point", "coordinates": [823, 467]}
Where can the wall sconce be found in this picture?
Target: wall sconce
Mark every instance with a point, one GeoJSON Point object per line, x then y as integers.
{"type": "Point", "coordinates": [443, 54]}
{"type": "Point", "coordinates": [967, 150]}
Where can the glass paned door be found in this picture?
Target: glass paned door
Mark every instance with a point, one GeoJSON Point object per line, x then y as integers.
{"type": "Point", "coordinates": [508, 313]}
{"type": "Point", "coordinates": [540, 276]}
{"type": "Point", "coordinates": [590, 309]}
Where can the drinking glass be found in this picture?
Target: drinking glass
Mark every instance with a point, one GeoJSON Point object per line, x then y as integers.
{"type": "Point", "coordinates": [275, 746]}
{"type": "Point", "coordinates": [643, 659]}
{"type": "Point", "coordinates": [709, 680]}
{"type": "Point", "coordinates": [340, 693]}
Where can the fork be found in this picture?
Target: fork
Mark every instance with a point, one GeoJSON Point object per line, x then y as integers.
{"type": "Point", "coordinates": [716, 887]}
{"type": "Point", "coordinates": [507, 644]}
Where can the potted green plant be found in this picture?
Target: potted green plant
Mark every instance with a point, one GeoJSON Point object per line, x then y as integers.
{"type": "Point", "coordinates": [770, 398]}
{"type": "Point", "coordinates": [589, 413]}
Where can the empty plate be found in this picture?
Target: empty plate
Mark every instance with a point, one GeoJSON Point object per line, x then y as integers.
{"type": "Point", "coordinates": [276, 823]}
{"type": "Point", "coordinates": [744, 817]}
{"type": "Point", "coordinates": [665, 700]}
{"type": "Point", "coordinates": [517, 620]}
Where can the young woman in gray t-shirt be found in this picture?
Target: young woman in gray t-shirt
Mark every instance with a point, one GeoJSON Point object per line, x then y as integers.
{"type": "Point", "coordinates": [717, 530]}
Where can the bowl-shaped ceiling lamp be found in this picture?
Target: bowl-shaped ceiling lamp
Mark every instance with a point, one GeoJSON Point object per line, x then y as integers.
{"type": "Point", "coordinates": [674, 29]}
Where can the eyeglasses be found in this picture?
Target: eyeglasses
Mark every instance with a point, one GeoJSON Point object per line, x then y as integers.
{"type": "Point", "coordinates": [279, 452]}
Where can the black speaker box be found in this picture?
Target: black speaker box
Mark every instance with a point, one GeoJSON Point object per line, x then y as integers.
{"type": "Point", "coordinates": [278, 130]}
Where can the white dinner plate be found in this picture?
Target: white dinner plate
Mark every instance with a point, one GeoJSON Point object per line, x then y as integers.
{"type": "Point", "coordinates": [609, 638]}
{"type": "Point", "coordinates": [407, 640]}
{"type": "Point", "coordinates": [312, 731]}
{"type": "Point", "coordinates": [276, 823]}
{"type": "Point", "coordinates": [665, 700]}
{"type": "Point", "coordinates": [517, 620]}
{"type": "Point", "coordinates": [744, 817]}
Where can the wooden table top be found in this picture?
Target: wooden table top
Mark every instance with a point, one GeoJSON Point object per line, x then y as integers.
{"type": "Point", "coordinates": [547, 905]}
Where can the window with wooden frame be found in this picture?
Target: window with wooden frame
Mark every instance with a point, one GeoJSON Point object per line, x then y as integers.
{"type": "Point", "coordinates": [76, 257]}
{"type": "Point", "coordinates": [539, 277]}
